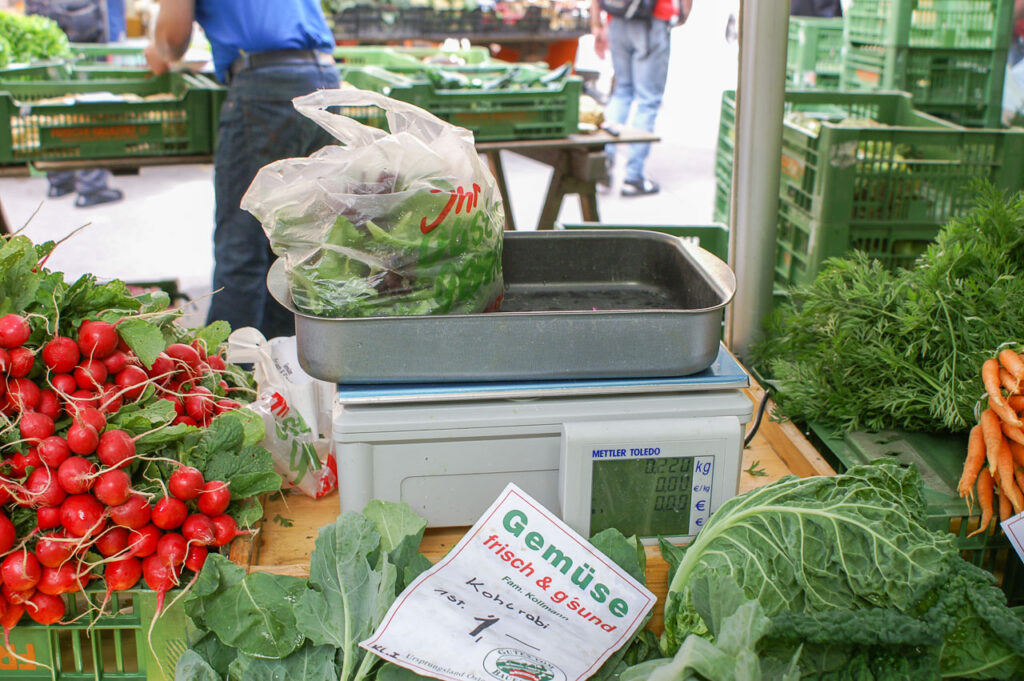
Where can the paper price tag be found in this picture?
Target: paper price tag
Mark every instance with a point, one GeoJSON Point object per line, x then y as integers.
{"type": "Point", "coordinates": [521, 597]}
{"type": "Point", "coordinates": [1014, 529]}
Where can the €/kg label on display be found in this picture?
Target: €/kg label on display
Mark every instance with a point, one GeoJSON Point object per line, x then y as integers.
{"type": "Point", "coordinates": [521, 597]}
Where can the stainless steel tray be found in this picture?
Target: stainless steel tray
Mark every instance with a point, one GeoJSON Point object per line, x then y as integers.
{"type": "Point", "coordinates": [601, 303]}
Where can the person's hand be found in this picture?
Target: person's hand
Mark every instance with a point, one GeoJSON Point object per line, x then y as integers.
{"type": "Point", "coordinates": [600, 32]}
{"type": "Point", "coordinates": [157, 64]}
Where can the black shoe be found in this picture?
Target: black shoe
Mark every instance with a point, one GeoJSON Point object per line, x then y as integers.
{"type": "Point", "coordinates": [58, 190]}
{"type": "Point", "coordinates": [639, 187]}
{"type": "Point", "coordinates": [96, 198]}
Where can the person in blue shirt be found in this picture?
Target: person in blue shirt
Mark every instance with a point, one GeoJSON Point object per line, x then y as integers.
{"type": "Point", "coordinates": [267, 52]}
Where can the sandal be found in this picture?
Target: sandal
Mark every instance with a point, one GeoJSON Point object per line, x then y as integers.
{"type": "Point", "coordinates": [639, 187]}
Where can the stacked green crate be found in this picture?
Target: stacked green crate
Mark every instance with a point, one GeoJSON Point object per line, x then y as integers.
{"type": "Point", "coordinates": [814, 53]}
{"type": "Point", "coordinates": [950, 55]}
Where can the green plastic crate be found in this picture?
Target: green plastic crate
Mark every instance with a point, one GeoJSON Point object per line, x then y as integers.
{"type": "Point", "coordinates": [108, 54]}
{"type": "Point", "coordinates": [964, 86]}
{"type": "Point", "coordinates": [492, 115]}
{"type": "Point", "coordinates": [939, 458]}
{"type": "Point", "coordinates": [814, 54]}
{"type": "Point", "coordinates": [885, 189]}
{"type": "Point", "coordinates": [411, 59]}
{"type": "Point", "coordinates": [712, 238]}
{"type": "Point", "coordinates": [960, 24]}
{"type": "Point", "coordinates": [114, 649]}
{"type": "Point", "coordinates": [170, 116]}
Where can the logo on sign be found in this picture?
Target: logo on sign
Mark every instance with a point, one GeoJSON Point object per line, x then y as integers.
{"type": "Point", "coordinates": [510, 664]}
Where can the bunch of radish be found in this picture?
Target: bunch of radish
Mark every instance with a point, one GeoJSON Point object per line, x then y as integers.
{"type": "Point", "coordinates": [64, 461]}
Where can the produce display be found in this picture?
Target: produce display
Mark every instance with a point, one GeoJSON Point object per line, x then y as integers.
{"type": "Point", "coordinates": [832, 577]}
{"type": "Point", "coordinates": [125, 455]}
{"type": "Point", "coordinates": [995, 447]}
{"type": "Point", "coordinates": [30, 38]}
{"type": "Point", "coordinates": [863, 348]}
{"type": "Point", "coordinates": [262, 626]}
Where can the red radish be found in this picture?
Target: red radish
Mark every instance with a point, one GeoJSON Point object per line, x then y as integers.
{"type": "Point", "coordinates": [169, 513]}
{"type": "Point", "coordinates": [5, 494]}
{"type": "Point", "coordinates": [183, 354]}
{"type": "Point", "coordinates": [23, 394]}
{"type": "Point", "coordinates": [14, 330]}
{"type": "Point", "coordinates": [35, 427]}
{"type": "Point", "coordinates": [49, 404]}
{"type": "Point", "coordinates": [162, 369]}
{"type": "Point", "coordinates": [196, 558]}
{"type": "Point", "coordinates": [63, 383]}
{"type": "Point", "coordinates": [53, 451]}
{"type": "Point", "coordinates": [172, 549]}
{"type": "Point", "coordinates": [21, 570]}
{"type": "Point", "coordinates": [10, 617]}
{"type": "Point", "coordinates": [44, 608]}
{"type": "Point", "coordinates": [113, 487]}
{"type": "Point", "coordinates": [44, 487]}
{"type": "Point", "coordinates": [91, 416]}
{"type": "Point", "coordinates": [82, 438]}
{"type": "Point", "coordinates": [132, 380]}
{"type": "Point", "coordinates": [123, 574]}
{"type": "Point", "coordinates": [116, 448]}
{"type": "Point", "coordinates": [48, 517]}
{"type": "Point", "coordinates": [199, 403]}
{"type": "Point", "coordinates": [81, 515]}
{"type": "Point", "coordinates": [76, 475]}
{"type": "Point", "coordinates": [90, 374]}
{"type": "Point", "coordinates": [20, 463]}
{"type": "Point", "coordinates": [7, 533]}
{"type": "Point", "coordinates": [5, 361]}
{"type": "Point", "coordinates": [185, 483]}
{"type": "Point", "coordinates": [225, 529]}
{"type": "Point", "coordinates": [116, 361]}
{"type": "Point", "coordinates": [66, 578]}
{"type": "Point", "coordinates": [22, 361]}
{"type": "Point", "coordinates": [221, 406]}
{"type": "Point", "coordinates": [97, 339]}
{"type": "Point", "coordinates": [200, 346]}
{"type": "Point", "coordinates": [143, 541]}
{"type": "Point", "coordinates": [61, 355]}
{"type": "Point", "coordinates": [184, 421]}
{"type": "Point", "coordinates": [179, 408]}
{"type": "Point", "coordinates": [216, 362]}
{"type": "Point", "coordinates": [214, 498]}
{"type": "Point", "coordinates": [160, 577]}
{"type": "Point", "coordinates": [110, 399]}
{"type": "Point", "coordinates": [54, 549]}
{"type": "Point", "coordinates": [132, 514]}
{"type": "Point", "coordinates": [18, 597]}
{"type": "Point", "coordinates": [113, 541]}
{"type": "Point", "coordinates": [198, 529]}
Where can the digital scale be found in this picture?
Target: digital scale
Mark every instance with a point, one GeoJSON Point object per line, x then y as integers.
{"type": "Point", "coordinates": [648, 456]}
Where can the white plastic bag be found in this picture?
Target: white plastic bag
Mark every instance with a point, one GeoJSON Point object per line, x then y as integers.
{"type": "Point", "coordinates": [296, 409]}
{"type": "Point", "coordinates": [399, 223]}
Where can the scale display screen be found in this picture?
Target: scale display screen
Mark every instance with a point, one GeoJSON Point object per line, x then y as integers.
{"type": "Point", "coordinates": [665, 484]}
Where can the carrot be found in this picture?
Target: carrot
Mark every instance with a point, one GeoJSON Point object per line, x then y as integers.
{"type": "Point", "coordinates": [972, 466]}
{"type": "Point", "coordinates": [1017, 450]}
{"type": "Point", "coordinates": [1007, 485]}
{"type": "Point", "coordinates": [1012, 362]}
{"type": "Point", "coordinates": [1019, 475]}
{"type": "Point", "coordinates": [1013, 433]}
{"type": "Point", "coordinates": [994, 388]}
{"type": "Point", "coordinates": [985, 493]}
{"type": "Point", "coordinates": [1005, 507]}
{"type": "Point", "coordinates": [1011, 384]}
{"type": "Point", "coordinates": [1016, 402]}
{"type": "Point", "coordinates": [992, 432]}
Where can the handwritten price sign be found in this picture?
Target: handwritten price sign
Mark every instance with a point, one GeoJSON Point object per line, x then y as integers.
{"type": "Point", "coordinates": [522, 596]}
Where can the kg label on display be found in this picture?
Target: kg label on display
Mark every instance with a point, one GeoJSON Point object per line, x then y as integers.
{"type": "Point", "coordinates": [522, 597]}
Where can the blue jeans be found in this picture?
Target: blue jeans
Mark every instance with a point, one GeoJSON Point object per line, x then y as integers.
{"type": "Point", "coordinates": [258, 125]}
{"type": "Point", "coordinates": [640, 51]}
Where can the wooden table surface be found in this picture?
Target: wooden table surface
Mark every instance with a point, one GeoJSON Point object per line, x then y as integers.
{"type": "Point", "coordinates": [291, 521]}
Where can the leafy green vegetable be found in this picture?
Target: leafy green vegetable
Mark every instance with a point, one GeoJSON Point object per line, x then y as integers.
{"type": "Point", "coordinates": [192, 667]}
{"type": "Point", "coordinates": [844, 566]}
{"type": "Point", "coordinates": [308, 662]}
{"type": "Point", "coordinates": [32, 37]}
{"type": "Point", "coordinates": [862, 348]}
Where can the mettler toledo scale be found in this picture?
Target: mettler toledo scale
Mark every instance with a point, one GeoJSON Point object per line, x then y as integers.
{"type": "Point", "coordinates": [650, 457]}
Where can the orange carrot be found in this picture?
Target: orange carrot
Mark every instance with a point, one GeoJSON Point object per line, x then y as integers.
{"type": "Point", "coordinates": [1019, 475]}
{"type": "Point", "coordinates": [1013, 433]}
{"type": "Point", "coordinates": [1011, 384]}
{"type": "Point", "coordinates": [1016, 403]}
{"type": "Point", "coordinates": [994, 388]}
{"type": "Point", "coordinates": [1007, 485]}
{"type": "Point", "coordinates": [985, 491]}
{"type": "Point", "coordinates": [972, 466]}
{"type": "Point", "coordinates": [1005, 507]}
{"type": "Point", "coordinates": [992, 432]}
{"type": "Point", "coordinates": [1012, 362]}
{"type": "Point", "coordinates": [1017, 450]}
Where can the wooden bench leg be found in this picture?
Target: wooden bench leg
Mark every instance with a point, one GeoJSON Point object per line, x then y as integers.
{"type": "Point", "coordinates": [498, 170]}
